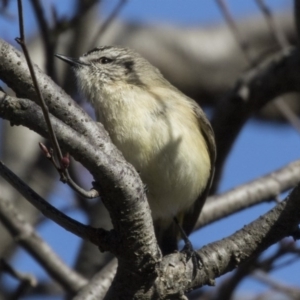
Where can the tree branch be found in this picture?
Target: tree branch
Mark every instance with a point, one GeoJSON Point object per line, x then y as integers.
{"type": "Point", "coordinates": [103, 27]}
{"type": "Point", "coordinates": [97, 288]}
{"type": "Point", "coordinates": [21, 41]}
{"type": "Point", "coordinates": [297, 18]}
{"type": "Point", "coordinates": [14, 72]}
{"type": "Point", "coordinates": [223, 256]}
{"type": "Point", "coordinates": [26, 236]}
{"type": "Point", "coordinates": [121, 186]}
{"type": "Point", "coordinates": [27, 281]}
{"type": "Point", "coordinates": [257, 191]}
{"type": "Point", "coordinates": [48, 36]}
{"type": "Point", "coordinates": [257, 87]}
{"type": "Point", "coordinates": [69, 224]}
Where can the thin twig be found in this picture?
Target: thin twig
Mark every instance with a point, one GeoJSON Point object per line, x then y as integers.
{"type": "Point", "coordinates": [100, 282]}
{"type": "Point", "coordinates": [287, 113]}
{"type": "Point", "coordinates": [103, 27]}
{"type": "Point", "coordinates": [291, 292]}
{"type": "Point", "coordinates": [275, 30]}
{"type": "Point", "coordinates": [64, 25]}
{"type": "Point", "coordinates": [244, 45]}
{"type": "Point", "coordinates": [66, 210]}
{"type": "Point", "coordinates": [69, 224]}
{"type": "Point", "coordinates": [242, 92]}
{"type": "Point", "coordinates": [27, 281]}
{"type": "Point", "coordinates": [65, 177]}
{"type": "Point", "coordinates": [21, 42]}
{"type": "Point", "coordinates": [297, 18]}
{"type": "Point", "coordinates": [48, 37]}
{"type": "Point", "coordinates": [282, 41]}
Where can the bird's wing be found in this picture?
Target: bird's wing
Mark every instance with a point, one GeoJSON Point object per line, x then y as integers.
{"type": "Point", "coordinates": [190, 218]}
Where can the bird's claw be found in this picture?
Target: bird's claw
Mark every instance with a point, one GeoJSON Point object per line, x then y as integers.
{"type": "Point", "coordinates": [190, 253]}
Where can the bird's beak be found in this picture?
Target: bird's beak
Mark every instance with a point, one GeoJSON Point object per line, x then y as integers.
{"type": "Point", "coordinates": [74, 62]}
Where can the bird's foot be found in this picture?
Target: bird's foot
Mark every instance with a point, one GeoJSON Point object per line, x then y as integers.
{"type": "Point", "coordinates": [190, 253]}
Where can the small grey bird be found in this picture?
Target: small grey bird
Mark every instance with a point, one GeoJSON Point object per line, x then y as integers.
{"type": "Point", "coordinates": [164, 134]}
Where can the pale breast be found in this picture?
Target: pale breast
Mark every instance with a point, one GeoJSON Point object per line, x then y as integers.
{"type": "Point", "coordinates": [163, 141]}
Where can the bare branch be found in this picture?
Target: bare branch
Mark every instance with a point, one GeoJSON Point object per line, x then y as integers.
{"type": "Point", "coordinates": [281, 39]}
{"type": "Point", "coordinates": [112, 173]}
{"type": "Point", "coordinates": [26, 236]}
{"type": "Point", "coordinates": [97, 156]}
{"type": "Point", "coordinates": [292, 292]}
{"type": "Point", "coordinates": [278, 34]}
{"type": "Point", "coordinates": [228, 286]}
{"type": "Point", "coordinates": [42, 103]}
{"type": "Point", "coordinates": [65, 177]}
{"type": "Point", "coordinates": [97, 288]}
{"type": "Point", "coordinates": [106, 24]}
{"type": "Point", "coordinates": [276, 75]}
{"type": "Point", "coordinates": [288, 113]}
{"type": "Point", "coordinates": [27, 281]}
{"type": "Point", "coordinates": [48, 36]}
{"type": "Point", "coordinates": [257, 191]}
{"type": "Point", "coordinates": [223, 256]}
{"type": "Point", "coordinates": [297, 17]}
{"type": "Point", "coordinates": [69, 224]}
{"type": "Point", "coordinates": [14, 72]}
{"type": "Point", "coordinates": [244, 45]}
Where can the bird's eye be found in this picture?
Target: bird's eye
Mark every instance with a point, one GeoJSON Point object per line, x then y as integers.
{"type": "Point", "coordinates": [105, 60]}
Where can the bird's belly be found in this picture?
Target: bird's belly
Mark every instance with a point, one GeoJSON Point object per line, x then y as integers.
{"type": "Point", "coordinates": [173, 164]}
{"type": "Point", "coordinates": [175, 183]}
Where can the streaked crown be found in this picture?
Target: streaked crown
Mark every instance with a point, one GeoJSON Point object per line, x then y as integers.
{"type": "Point", "coordinates": [111, 64]}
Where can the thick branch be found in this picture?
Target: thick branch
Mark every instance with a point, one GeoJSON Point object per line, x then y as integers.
{"type": "Point", "coordinates": [223, 256]}
{"type": "Point", "coordinates": [14, 72]}
{"type": "Point", "coordinates": [120, 183]}
{"type": "Point", "coordinates": [256, 88]}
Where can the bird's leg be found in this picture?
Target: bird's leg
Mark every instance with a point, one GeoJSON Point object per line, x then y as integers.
{"type": "Point", "coordinates": [188, 245]}
{"type": "Point", "coordinates": [188, 249]}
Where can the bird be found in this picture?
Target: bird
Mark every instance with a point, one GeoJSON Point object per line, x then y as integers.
{"type": "Point", "coordinates": [162, 132]}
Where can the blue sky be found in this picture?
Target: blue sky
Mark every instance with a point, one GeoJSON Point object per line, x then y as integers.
{"type": "Point", "coordinates": [187, 12]}
{"type": "Point", "coordinates": [259, 149]}
{"type": "Point", "coordinates": [191, 12]}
